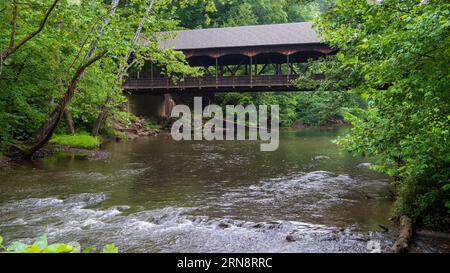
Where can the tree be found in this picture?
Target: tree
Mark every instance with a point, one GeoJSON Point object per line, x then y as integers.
{"type": "Point", "coordinates": [61, 64]}
{"type": "Point", "coordinates": [122, 70]}
{"type": "Point", "coordinates": [45, 129]}
{"type": "Point", "coordinates": [400, 50]}
{"type": "Point", "coordinates": [15, 45]}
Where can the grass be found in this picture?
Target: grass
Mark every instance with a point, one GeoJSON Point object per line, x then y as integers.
{"type": "Point", "coordinates": [82, 140]}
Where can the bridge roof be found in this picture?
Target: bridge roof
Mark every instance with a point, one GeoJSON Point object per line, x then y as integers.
{"type": "Point", "coordinates": [245, 36]}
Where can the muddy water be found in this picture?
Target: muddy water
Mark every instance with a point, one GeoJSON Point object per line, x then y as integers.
{"type": "Point", "coordinates": [157, 195]}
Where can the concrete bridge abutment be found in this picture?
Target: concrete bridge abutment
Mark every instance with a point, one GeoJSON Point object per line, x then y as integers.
{"type": "Point", "coordinates": [158, 106]}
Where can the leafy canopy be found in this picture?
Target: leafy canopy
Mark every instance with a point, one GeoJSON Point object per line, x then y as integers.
{"type": "Point", "coordinates": [400, 50]}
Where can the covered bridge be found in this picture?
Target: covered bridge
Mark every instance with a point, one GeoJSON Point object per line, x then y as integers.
{"type": "Point", "coordinates": [248, 58]}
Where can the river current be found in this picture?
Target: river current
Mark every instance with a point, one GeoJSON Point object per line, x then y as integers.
{"type": "Point", "coordinates": [157, 195]}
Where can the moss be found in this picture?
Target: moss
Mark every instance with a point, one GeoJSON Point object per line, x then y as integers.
{"type": "Point", "coordinates": [76, 141]}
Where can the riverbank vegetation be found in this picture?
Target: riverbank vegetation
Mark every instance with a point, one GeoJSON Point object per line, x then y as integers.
{"type": "Point", "coordinates": [82, 140]}
{"type": "Point", "coordinates": [390, 80]}
{"type": "Point", "coordinates": [399, 52]}
{"type": "Point", "coordinates": [63, 61]}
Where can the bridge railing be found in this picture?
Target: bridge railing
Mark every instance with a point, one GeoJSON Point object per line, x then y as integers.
{"type": "Point", "coordinates": [211, 82]}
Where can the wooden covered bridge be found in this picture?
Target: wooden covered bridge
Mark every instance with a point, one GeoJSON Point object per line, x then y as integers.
{"type": "Point", "coordinates": [235, 59]}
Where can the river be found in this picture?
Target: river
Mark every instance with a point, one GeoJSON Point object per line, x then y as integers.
{"type": "Point", "coordinates": [157, 195]}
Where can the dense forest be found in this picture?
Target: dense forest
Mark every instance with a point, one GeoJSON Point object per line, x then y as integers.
{"type": "Point", "coordinates": [63, 62]}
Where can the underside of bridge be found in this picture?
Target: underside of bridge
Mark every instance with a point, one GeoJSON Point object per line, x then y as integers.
{"type": "Point", "coordinates": [239, 59]}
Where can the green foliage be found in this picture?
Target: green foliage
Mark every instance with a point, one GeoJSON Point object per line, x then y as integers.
{"type": "Point", "coordinates": [322, 107]}
{"type": "Point", "coordinates": [401, 52]}
{"type": "Point", "coordinates": [34, 78]}
{"type": "Point", "coordinates": [310, 108]}
{"type": "Point", "coordinates": [152, 125]}
{"type": "Point", "coordinates": [82, 140]}
{"type": "Point", "coordinates": [246, 12]}
{"type": "Point", "coordinates": [41, 246]}
{"type": "Point", "coordinates": [111, 248]}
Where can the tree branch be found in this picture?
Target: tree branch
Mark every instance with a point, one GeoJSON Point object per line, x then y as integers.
{"type": "Point", "coordinates": [83, 67]}
{"type": "Point", "coordinates": [30, 36]}
{"type": "Point", "coordinates": [49, 126]}
{"type": "Point", "coordinates": [12, 37]}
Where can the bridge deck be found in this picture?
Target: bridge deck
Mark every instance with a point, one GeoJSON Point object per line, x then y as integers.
{"type": "Point", "coordinates": [216, 84]}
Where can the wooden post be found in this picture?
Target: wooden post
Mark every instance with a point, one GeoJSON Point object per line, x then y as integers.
{"type": "Point", "coordinates": [289, 71]}
{"type": "Point", "coordinates": [277, 69]}
{"type": "Point", "coordinates": [217, 73]}
{"type": "Point", "coordinates": [251, 72]}
{"type": "Point", "coordinates": [151, 71]}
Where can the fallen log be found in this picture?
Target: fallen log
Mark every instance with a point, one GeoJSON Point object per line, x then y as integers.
{"type": "Point", "coordinates": [405, 236]}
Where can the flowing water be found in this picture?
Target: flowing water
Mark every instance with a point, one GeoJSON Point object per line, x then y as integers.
{"type": "Point", "coordinates": [158, 195]}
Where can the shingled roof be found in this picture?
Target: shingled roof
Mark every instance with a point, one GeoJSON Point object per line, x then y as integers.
{"type": "Point", "coordinates": [263, 35]}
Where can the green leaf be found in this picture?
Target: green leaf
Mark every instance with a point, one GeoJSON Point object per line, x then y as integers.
{"type": "Point", "coordinates": [32, 249]}
{"type": "Point", "coordinates": [17, 247]}
{"type": "Point", "coordinates": [59, 248]}
{"type": "Point", "coordinates": [1, 240]}
{"type": "Point", "coordinates": [111, 248]}
{"type": "Point", "coordinates": [41, 242]}
{"type": "Point", "coordinates": [87, 250]}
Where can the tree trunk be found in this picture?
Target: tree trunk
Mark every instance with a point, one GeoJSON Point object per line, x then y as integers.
{"type": "Point", "coordinates": [405, 236]}
{"type": "Point", "coordinates": [120, 74]}
{"type": "Point", "coordinates": [69, 123]}
{"type": "Point", "coordinates": [40, 133]}
{"type": "Point", "coordinates": [101, 117]}
{"type": "Point", "coordinates": [49, 127]}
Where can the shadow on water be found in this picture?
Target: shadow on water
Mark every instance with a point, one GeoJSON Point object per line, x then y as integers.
{"type": "Point", "coordinates": [158, 195]}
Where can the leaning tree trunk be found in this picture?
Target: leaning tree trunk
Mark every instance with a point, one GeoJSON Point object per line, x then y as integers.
{"type": "Point", "coordinates": [40, 133]}
{"type": "Point", "coordinates": [69, 122]}
{"type": "Point", "coordinates": [101, 117]}
{"type": "Point", "coordinates": [121, 73]}
{"type": "Point", "coordinates": [59, 111]}
{"type": "Point", "coordinates": [45, 132]}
